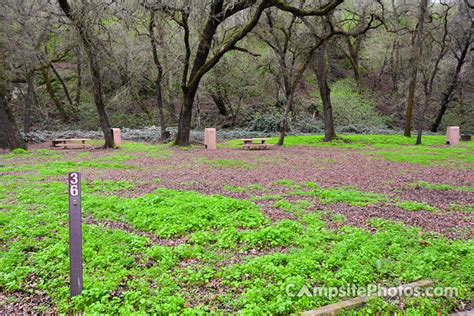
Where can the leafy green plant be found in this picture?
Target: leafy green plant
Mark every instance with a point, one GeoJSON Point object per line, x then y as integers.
{"type": "Point", "coordinates": [469, 208]}
{"type": "Point", "coordinates": [342, 195]}
{"type": "Point", "coordinates": [19, 151]}
{"type": "Point", "coordinates": [298, 208]}
{"type": "Point", "coordinates": [441, 187]}
{"type": "Point", "coordinates": [171, 252]}
{"type": "Point", "coordinates": [285, 183]}
{"type": "Point", "coordinates": [414, 206]}
{"type": "Point", "coordinates": [352, 106]}
{"type": "Point", "coordinates": [231, 188]}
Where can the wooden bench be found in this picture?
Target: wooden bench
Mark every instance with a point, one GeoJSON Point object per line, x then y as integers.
{"type": "Point", "coordinates": [72, 143]}
{"type": "Point", "coordinates": [255, 143]}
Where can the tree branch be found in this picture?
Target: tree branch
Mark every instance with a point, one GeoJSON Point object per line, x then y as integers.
{"type": "Point", "coordinates": [325, 9]}
{"type": "Point", "coordinates": [241, 49]}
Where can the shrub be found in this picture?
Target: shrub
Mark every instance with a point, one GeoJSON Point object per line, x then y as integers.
{"type": "Point", "coordinates": [19, 151]}
{"type": "Point", "coordinates": [350, 107]}
{"type": "Point", "coordinates": [307, 124]}
{"type": "Point", "coordinates": [269, 122]}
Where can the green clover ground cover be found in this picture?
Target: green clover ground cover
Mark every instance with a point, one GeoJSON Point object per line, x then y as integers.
{"type": "Point", "coordinates": [125, 272]}
{"type": "Point", "coordinates": [229, 256]}
{"type": "Point", "coordinates": [440, 187]}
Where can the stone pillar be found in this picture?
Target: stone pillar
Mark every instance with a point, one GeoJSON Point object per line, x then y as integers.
{"type": "Point", "coordinates": [210, 138]}
{"type": "Point", "coordinates": [116, 136]}
{"type": "Point", "coordinates": [452, 135]}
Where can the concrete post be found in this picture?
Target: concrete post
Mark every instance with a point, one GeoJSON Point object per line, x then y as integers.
{"type": "Point", "coordinates": [452, 135]}
{"type": "Point", "coordinates": [210, 138]}
{"type": "Point", "coordinates": [116, 136]}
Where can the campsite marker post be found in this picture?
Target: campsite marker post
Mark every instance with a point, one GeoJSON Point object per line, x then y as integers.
{"type": "Point", "coordinates": [75, 234]}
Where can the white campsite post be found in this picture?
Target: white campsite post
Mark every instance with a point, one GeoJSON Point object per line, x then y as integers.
{"type": "Point", "coordinates": [452, 135]}
{"type": "Point", "coordinates": [210, 138]}
{"type": "Point", "coordinates": [117, 137]}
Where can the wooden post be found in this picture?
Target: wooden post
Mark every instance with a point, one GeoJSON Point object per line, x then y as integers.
{"type": "Point", "coordinates": [75, 234]}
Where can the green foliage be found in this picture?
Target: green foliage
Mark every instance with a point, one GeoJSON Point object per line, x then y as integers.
{"type": "Point", "coordinates": [248, 189]}
{"type": "Point", "coordinates": [231, 188]}
{"type": "Point", "coordinates": [430, 155]}
{"type": "Point", "coordinates": [19, 151]}
{"type": "Point", "coordinates": [393, 148]}
{"type": "Point", "coordinates": [357, 141]}
{"type": "Point", "coordinates": [214, 242]}
{"type": "Point", "coordinates": [352, 106]}
{"type": "Point", "coordinates": [413, 206]}
{"type": "Point", "coordinates": [459, 114]}
{"type": "Point", "coordinates": [285, 183]}
{"type": "Point", "coordinates": [176, 214]}
{"type": "Point", "coordinates": [441, 187]}
{"type": "Point", "coordinates": [266, 123]}
{"type": "Point", "coordinates": [306, 124]}
{"type": "Point", "coordinates": [107, 186]}
{"type": "Point", "coordinates": [298, 207]}
{"type": "Point", "coordinates": [284, 233]}
{"type": "Point", "coordinates": [347, 195]}
{"type": "Point", "coordinates": [153, 151]}
{"type": "Point", "coordinates": [469, 208]}
{"type": "Point", "coordinates": [393, 254]}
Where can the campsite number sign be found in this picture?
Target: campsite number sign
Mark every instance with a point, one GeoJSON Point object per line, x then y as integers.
{"type": "Point", "coordinates": [75, 234]}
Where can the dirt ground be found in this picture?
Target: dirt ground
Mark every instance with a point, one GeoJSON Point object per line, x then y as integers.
{"type": "Point", "coordinates": [209, 172]}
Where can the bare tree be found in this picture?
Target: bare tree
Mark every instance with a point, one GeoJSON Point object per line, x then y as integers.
{"type": "Point", "coordinates": [417, 48]}
{"type": "Point", "coordinates": [281, 35]}
{"type": "Point", "coordinates": [430, 68]}
{"type": "Point", "coordinates": [325, 92]}
{"type": "Point", "coordinates": [461, 55]}
{"type": "Point", "coordinates": [10, 136]}
{"type": "Point", "coordinates": [203, 61]}
{"type": "Point", "coordinates": [90, 49]}
{"type": "Point", "coordinates": [159, 75]}
{"type": "Point", "coordinates": [320, 53]}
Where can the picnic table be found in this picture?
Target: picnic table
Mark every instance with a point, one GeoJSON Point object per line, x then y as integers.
{"type": "Point", "coordinates": [71, 143]}
{"type": "Point", "coordinates": [255, 143]}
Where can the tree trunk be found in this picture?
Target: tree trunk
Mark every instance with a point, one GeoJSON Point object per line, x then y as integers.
{"type": "Point", "coordinates": [99, 101]}
{"type": "Point", "coordinates": [63, 85]}
{"type": "Point", "coordinates": [353, 56]}
{"type": "Point", "coordinates": [395, 63]}
{"type": "Point", "coordinates": [159, 102]}
{"type": "Point", "coordinates": [356, 70]}
{"type": "Point", "coordinates": [94, 66]}
{"type": "Point", "coordinates": [10, 136]}
{"type": "Point", "coordinates": [29, 101]}
{"type": "Point", "coordinates": [418, 137]}
{"type": "Point", "coordinates": [52, 95]}
{"type": "Point", "coordinates": [78, 78]}
{"type": "Point", "coordinates": [220, 103]}
{"type": "Point", "coordinates": [159, 77]}
{"type": "Point", "coordinates": [447, 95]}
{"type": "Point", "coordinates": [417, 48]}
{"type": "Point", "coordinates": [284, 119]}
{"type": "Point", "coordinates": [325, 92]}
{"type": "Point", "coordinates": [198, 113]}
{"type": "Point", "coordinates": [185, 116]}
